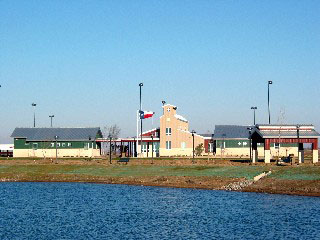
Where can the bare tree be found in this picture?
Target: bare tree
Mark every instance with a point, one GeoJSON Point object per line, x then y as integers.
{"type": "Point", "coordinates": [112, 132]}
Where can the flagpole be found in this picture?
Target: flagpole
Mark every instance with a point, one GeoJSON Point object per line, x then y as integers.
{"type": "Point", "coordinates": [140, 85]}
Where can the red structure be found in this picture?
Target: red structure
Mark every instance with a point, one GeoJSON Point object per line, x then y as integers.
{"type": "Point", "coordinates": [293, 134]}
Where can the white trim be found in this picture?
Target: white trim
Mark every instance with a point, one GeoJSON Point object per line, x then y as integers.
{"type": "Point", "coordinates": [179, 117]}
{"type": "Point", "coordinates": [190, 133]}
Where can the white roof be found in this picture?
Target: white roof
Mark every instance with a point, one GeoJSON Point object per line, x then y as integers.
{"type": "Point", "coordinates": [180, 118]}
{"type": "Point", "coordinates": [167, 104]}
{"type": "Point", "coordinates": [181, 130]}
{"type": "Point", "coordinates": [149, 131]}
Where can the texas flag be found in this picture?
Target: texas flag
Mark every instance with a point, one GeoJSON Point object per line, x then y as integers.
{"type": "Point", "coordinates": [146, 114]}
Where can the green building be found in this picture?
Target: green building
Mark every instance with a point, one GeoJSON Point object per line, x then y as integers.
{"type": "Point", "coordinates": [60, 142]}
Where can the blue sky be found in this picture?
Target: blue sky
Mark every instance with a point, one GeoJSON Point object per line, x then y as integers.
{"type": "Point", "coordinates": [83, 60]}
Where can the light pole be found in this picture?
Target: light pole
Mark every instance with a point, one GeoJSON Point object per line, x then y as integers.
{"type": "Point", "coordinates": [51, 116]}
{"type": "Point", "coordinates": [56, 138]}
{"type": "Point", "coordinates": [254, 115]}
{"type": "Point", "coordinates": [269, 83]}
{"type": "Point", "coordinates": [193, 132]}
{"type": "Point", "coordinates": [110, 159]}
{"type": "Point", "coordinates": [34, 114]}
{"type": "Point", "coordinates": [152, 148]}
{"type": "Point", "coordinates": [250, 130]}
{"type": "Point", "coordinates": [222, 144]}
{"type": "Point", "coordinates": [163, 103]}
{"type": "Point", "coordinates": [298, 136]}
{"type": "Point", "coordinates": [140, 86]}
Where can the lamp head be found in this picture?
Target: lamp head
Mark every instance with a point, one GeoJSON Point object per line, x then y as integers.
{"type": "Point", "coordinates": [140, 84]}
{"type": "Point", "coordinates": [269, 82]}
{"type": "Point", "coordinates": [33, 104]}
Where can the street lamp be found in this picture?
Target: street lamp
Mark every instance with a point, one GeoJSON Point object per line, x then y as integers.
{"type": "Point", "coordinates": [110, 159]}
{"type": "Point", "coordinates": [152, 148]}
{"type": "Point", "coordinates": [51, 116]}
{"type": "Point", "coordinates": [254, 115]}
{"type": "Point", "coordinates": [269, 83]}
{"type": "Point", "coordinates": [163, 103]}
{"type": "Point", "coordinates": [298, 136]}
{"type": "Point", "coordinates": [140, 86]}
{"type": "Point", "coordinates": [193, 132]}
{"type": "Point", "coordinates": [56, 138]}
{"type": "Point", "coordinates": [250, 131]}
{"type": "Point", "coordinates": [34, 114]}
{"type": "Point", "coordinates": [222, 145]}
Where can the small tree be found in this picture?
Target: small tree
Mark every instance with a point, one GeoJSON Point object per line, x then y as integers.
{"type": "Point", "coordinates": [199, 149]}
{"type": "Point", "coordinates": [112, 133]}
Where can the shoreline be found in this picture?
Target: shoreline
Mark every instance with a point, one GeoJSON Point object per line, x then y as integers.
{"type": "Point", "coordinates": [189, 183]}
{"type": "Point", "coordinates": [301, 180]}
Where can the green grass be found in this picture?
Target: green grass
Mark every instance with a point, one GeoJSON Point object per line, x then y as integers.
{"type": "Point", "coordinates": [248, 172]}
{"type": "Point", "coordinates": [126, 171]}
{"type": "Point", "coordinates": [298, 173]}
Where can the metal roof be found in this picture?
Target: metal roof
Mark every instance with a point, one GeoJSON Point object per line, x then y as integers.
{"type": "Point", "coordinates": [48, 134]}
{"type": "Point", "coordinates": [288, 134]}
{"type": "Point", "coordinates": [231, 132]}
{"type": "Point", "coordinates": [286, 131]}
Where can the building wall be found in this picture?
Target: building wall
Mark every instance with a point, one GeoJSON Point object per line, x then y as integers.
{"type": "Point", "coordinates": [23, 148]}
{"type": "Point", "coordinates": [181, 139]}
{"type": "Point", "coordinates": [147, 152]}
{"type": "Point", "coordinates": [51, 153]}
{"type": "Point", "coordinates": [21, 143]}
{"type": "Point", "coordinates": [240, 148]}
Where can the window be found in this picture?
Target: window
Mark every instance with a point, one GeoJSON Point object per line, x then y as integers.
{"type": "Point", "coordinates": [168, 109]}
{"type": "Point", "coordinates": [183, 145]}
{"type": "Point", "coordinates": [35, 146]}
{"type": "Point", "coordinates": [58, 144]}
{"type": "Point", "coordinates": [277, 145]}
{"type": "Point", "coordinates": [52, 144]}
{"type": "Point", "coordinates": [168, 131]}
{"type": "Point", "coordinates": [63, 144]}
{"type": "Point", "coordinates": [168, 144]}
{"type": "Point", "coordinates": [69, 144]}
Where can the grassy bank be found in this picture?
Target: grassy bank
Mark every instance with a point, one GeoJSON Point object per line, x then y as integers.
{"type": "Point", "coordinates": [302, 180]}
